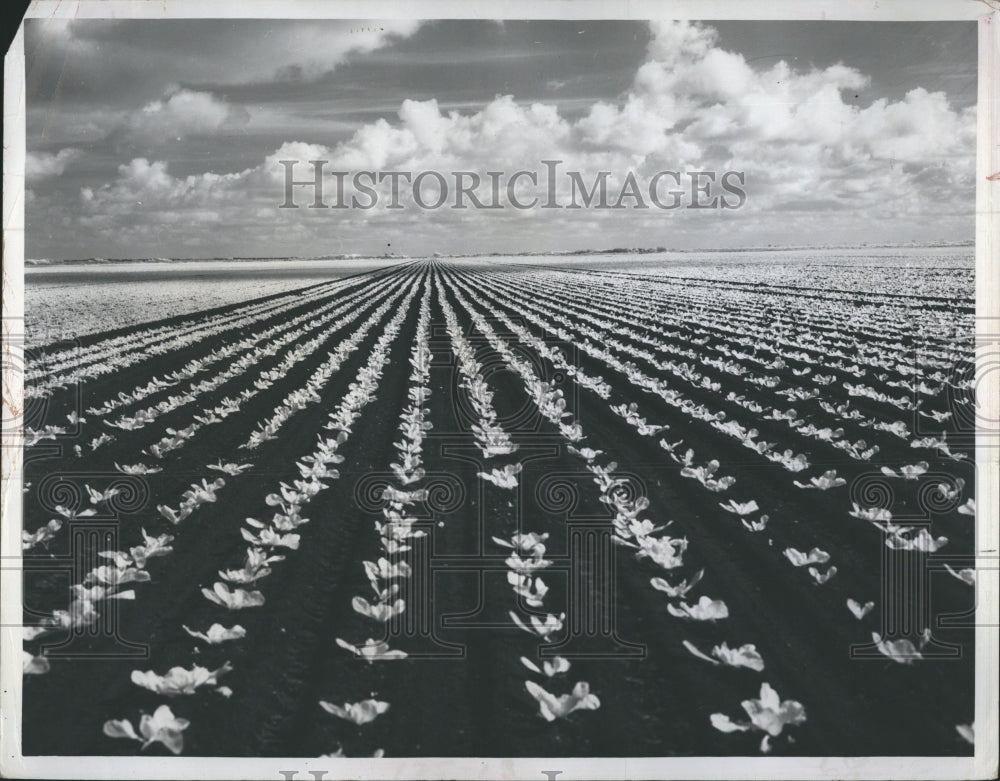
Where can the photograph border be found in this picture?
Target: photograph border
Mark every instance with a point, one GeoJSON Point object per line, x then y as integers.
{"type": "Point", "coordinates": [983, 764]}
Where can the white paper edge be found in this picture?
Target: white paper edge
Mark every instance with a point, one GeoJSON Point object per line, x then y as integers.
{"type": "Point", "coordinates": [982, 765]}
{"type": "Point", "coordinates": [885, 10]}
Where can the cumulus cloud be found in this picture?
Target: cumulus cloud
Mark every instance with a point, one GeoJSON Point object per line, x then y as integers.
{"type": "Point", "coordinates": [89, 79]}
{"type": "Point", "coordinates": [177, 115]}
{"type": "Point", "coordinates": [147, 190]}
{"type": "Point", "coordinates": [691, 105]}
{"type": "Point", "coordinates": [184, 112]}
{"type": "Point", "coordinates": [46, 165]}
{"type": "Point", "coordinates": [695, 105]}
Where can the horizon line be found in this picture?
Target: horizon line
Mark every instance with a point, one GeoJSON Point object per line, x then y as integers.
{"type": "Point", "coordinates": [548, 253]}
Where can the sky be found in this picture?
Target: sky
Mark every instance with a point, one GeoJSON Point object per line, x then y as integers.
{"type": "Point", "coordinates": [156, 138]}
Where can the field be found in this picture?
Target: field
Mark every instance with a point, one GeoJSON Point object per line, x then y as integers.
{"type": "Point", "coordinates": [601, 506]}
{"type": "Point", "coordinates": [65, 301]}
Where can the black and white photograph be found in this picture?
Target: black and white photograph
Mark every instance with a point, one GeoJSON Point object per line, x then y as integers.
{"type": "Point", "coordinates": [420, 395]}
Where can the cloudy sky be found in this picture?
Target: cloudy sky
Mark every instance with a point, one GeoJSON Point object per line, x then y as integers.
{"type": "Point", "coordinates": [162, 138]}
